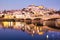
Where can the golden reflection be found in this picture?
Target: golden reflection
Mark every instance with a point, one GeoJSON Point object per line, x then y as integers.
{"type": "Point", "coordinates": [5, 24]}
{"type": "Point", "coordinates": [40, 30]}
{"type": "Point", "coordinates": [16, 25]}
{"type": "Point", "coordinates": [41, 33]}
{"type": "Point", "coordinates": [31, 29]}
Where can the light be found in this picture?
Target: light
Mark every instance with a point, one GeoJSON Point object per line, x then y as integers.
{"type": "Point", "coordinates": [41, 7]}
{"type": "Point", "coordinates": [41, 33]}
{"type": "Point", "coordinates": [47, 36]}
{"type": "Point", "coordinates": [40, 28]}
{"type": "Point", "coordinates": [6, 24]}
{"type": "Point", "coordinates": [6, 16]}
{"type": "Point", "coordinates": [33, 32]}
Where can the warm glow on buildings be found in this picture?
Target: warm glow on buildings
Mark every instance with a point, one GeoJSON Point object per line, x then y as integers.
{"type": "Point", "coordinates": [41, 7]}
{"type": "Point", "coordinates": [32, 12]}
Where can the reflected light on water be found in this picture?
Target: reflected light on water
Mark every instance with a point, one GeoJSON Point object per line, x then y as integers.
{"type": "Point", "coordinates": [31, 29]}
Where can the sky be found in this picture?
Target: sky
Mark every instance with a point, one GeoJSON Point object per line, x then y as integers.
{"type": "Point", "coordinates": [18, 4]}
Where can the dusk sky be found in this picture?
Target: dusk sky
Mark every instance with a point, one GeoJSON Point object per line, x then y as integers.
{"type": "Point", "coordinates": [18, 4]}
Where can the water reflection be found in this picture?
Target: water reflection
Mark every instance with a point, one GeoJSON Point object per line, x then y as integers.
{"type": "Point", "coordinates": [29, 28]}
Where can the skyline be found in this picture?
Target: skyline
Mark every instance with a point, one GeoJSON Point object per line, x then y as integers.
{"type": "Point", "coordinates": [19, 4]}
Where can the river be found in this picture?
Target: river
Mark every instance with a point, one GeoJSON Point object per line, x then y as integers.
{"type": "Point", "coordinates": [22, 31]}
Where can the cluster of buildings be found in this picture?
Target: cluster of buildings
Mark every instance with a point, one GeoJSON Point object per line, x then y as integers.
{"type": "Point", "coordinates": [29, 12]}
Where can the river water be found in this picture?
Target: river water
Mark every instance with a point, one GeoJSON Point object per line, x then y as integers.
{"type": "Point", "coordinates": [22, 31]}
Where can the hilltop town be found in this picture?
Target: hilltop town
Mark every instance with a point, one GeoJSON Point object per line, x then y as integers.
{"type": "Point", "coordinates": [33, 19]}
{"type": "Point", "coordinates": [30, 11]}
